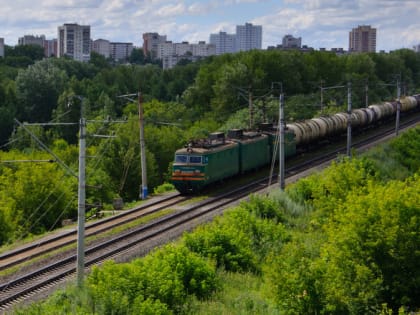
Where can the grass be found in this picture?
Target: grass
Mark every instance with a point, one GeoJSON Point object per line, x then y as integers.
{"type": "Point", "coordinates": [240, 293]}
{"type": "Point", "coordinates": [33, 238]}
{"type": "Point", "coordinates": [193, 200]}
{"type": "Point", "coordinates": [90, 239]}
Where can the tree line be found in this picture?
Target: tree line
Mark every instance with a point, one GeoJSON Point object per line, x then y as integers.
{"type": "Point", "coordinates": [185, 102]}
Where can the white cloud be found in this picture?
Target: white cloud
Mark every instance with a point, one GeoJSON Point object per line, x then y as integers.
{"type": "Point", "coordinates": [171, 10]}
{"type": "Point", "coordinates": [318, 22]}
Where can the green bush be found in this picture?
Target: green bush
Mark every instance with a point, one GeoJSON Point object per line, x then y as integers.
{"type": "Point", "coordinates": [366, 256]}
{"type": "Point", "coordinates": [162, 279]}
{"type": "Point", "coordinates": [406, 149]}
{"type": "Point", "coordinates": [243, 237]}
{"type": "Point", "coordinates": [264, 208]}
{"type": "Point", "coordinates": [165, 187]}
{"type": "Point", "coordinates": [228, 247]}
{"type": "Point", "coordinates": [329, 188]}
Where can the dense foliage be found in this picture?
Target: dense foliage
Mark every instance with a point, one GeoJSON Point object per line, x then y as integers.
{"type": "Point", "coordinates": [188, 101]}
{"type": "Point", "coordinates": [343, 241]}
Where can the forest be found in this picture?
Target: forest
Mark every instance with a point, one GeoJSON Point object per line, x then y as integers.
{"type": "Point", "coordinates": [188, 101]}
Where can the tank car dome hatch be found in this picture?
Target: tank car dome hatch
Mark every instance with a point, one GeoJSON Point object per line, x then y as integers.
{"type": "Point", "coordinates": [235, 133]}
{"type": "Point", "coordinates": [265, 126]}
{"type": "Point", "coordinates": [217, 136]}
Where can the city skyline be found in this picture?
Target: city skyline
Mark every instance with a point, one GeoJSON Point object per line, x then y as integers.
{"type": "Point", "coordinates": [320, 23]}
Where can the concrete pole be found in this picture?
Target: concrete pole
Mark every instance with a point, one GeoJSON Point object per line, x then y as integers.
{"type": "Point", "coordinates": [397, 120]}
{"type": "Point", "coordinates": [349, 119]}
{"type": "Point", "coordinates": [81, 203]}
{"type": "Point", "coordinates": [281, 142]}
{"type": "Point", "coordinates": [143, 188]}
{"type": "Point", "coordinates": [367, 95]}
{"type": "Point", "coordinates": [251, 109]}
{"type": "Point", "coordinates": [322, 96]}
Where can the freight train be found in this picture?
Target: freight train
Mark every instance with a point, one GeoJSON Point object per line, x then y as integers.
{"type": "Point", "coordinates": [206, 161]}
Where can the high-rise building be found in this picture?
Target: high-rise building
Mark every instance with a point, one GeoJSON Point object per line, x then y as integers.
{"type": "Point", "coordinates": [224, 43]}
{"type": "Point", "coordinates": [248, 37]}
{"type": "Point", "coordinates": [171, 53]}
{"type": "Point", "coordinates": [151, 42]}
{"type": "Point", "coordinates": [165, 49]}
{"type": "Point", "coordinates": [102, 47]}
{"type": "Point", "coordinates": [32, 40]}
{"type": "Point", "coordinates": [1, 47]}
{"type": "Point", "coordinates": [50, 47]}
{"type": "Point", "coordinates": [121, 51]}
{"type": "Point", "coordinates": [362, 39]}
{"type": "Point", "coordinates": [74, 41]}
{"type": "Point", "coordinates": [291, 42]}
{"type": "Point", "coordinates": [203, 50]}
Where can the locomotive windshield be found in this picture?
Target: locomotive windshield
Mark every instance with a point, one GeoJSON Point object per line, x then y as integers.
{"type": "Point", "coordinates": [181, 158]}
{"type": "Point", "coordinates": [194, 159]}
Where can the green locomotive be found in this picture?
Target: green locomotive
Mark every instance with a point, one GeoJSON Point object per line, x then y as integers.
{"type": "Point", "coordinates": [207, 161]}
{"type": "Point", "coordinates": [204, 162]}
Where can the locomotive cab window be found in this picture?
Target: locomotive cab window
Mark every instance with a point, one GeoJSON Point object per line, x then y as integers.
{"type": "Point", "coordinates": [181, 158]}
{"type": "Point", "coordinates": [195, 159]}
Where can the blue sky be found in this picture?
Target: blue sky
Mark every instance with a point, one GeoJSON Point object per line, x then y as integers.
{"type": "Point", "coordinates": [320, 23]}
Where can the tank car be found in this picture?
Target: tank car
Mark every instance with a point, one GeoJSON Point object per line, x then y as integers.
{"type": "Point", "coordinates": [204, 162]}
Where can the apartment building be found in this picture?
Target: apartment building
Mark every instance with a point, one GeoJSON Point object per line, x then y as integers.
{"type": "Point", "coordinates": [102, 47]}
{"type": "Point", "coordinates": [248, 37]}
{"type": "Point", "coordinates": [120, 51]}
{"type": "Point", "coordinates": [224, 43]}
{"type": "Point", "coordinates": [32, 40]}
{"type": "Point", "coordinates": [171, 53]}
{"type": "Point", "coordinates": [362, 39]}
{"type": "Point", "coordinates": [74, 41]}
{"type": "Point", "coordinates": [290, 42]}
{"type": "Point", "coordinates": [151, 42]}
{"type": "Point", "coordinates": [50, 47]}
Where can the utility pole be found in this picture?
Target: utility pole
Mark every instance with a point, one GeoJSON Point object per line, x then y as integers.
{"type": "Point", "coordinates": [143, 187]}
{"type": "Point", "coordinates": [251, 109]}
{"type": "Point", "coordinates": [349, 119]}
{"type": "Point", "coordinates": [281, 131]}
{"type": "Point", "coordinates": [81, 209]}
{"type": "Point", "coordinates": [366, 94]}
{"type": "Point", "coordinates": [322, 95]}
{"type": "Point", "coordinates": [397, 120]}
{"type": "Point", "coordinates": [81, 201]}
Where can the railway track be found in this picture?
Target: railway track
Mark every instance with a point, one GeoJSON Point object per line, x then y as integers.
{"type": "Point", "coordinates": [23, 286]}
{"type": "Point", "coordinates": [145, 236]}
{"type": "Point", "coordinates": [44, 246]}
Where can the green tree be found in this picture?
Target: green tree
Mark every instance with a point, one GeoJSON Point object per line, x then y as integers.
{"type": "Point", "coordinates": [98, 60]}
{"type": "Point", "coordinates": [40, 194]}
{"type": "Point", "coordinates": [38, 88]}
{"type": "Point", "coordinates": [8, 108]}
{"type": "Point", "coordinates": [137, 56]}
{"type": "Point", "coordinates": [121, 160]}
